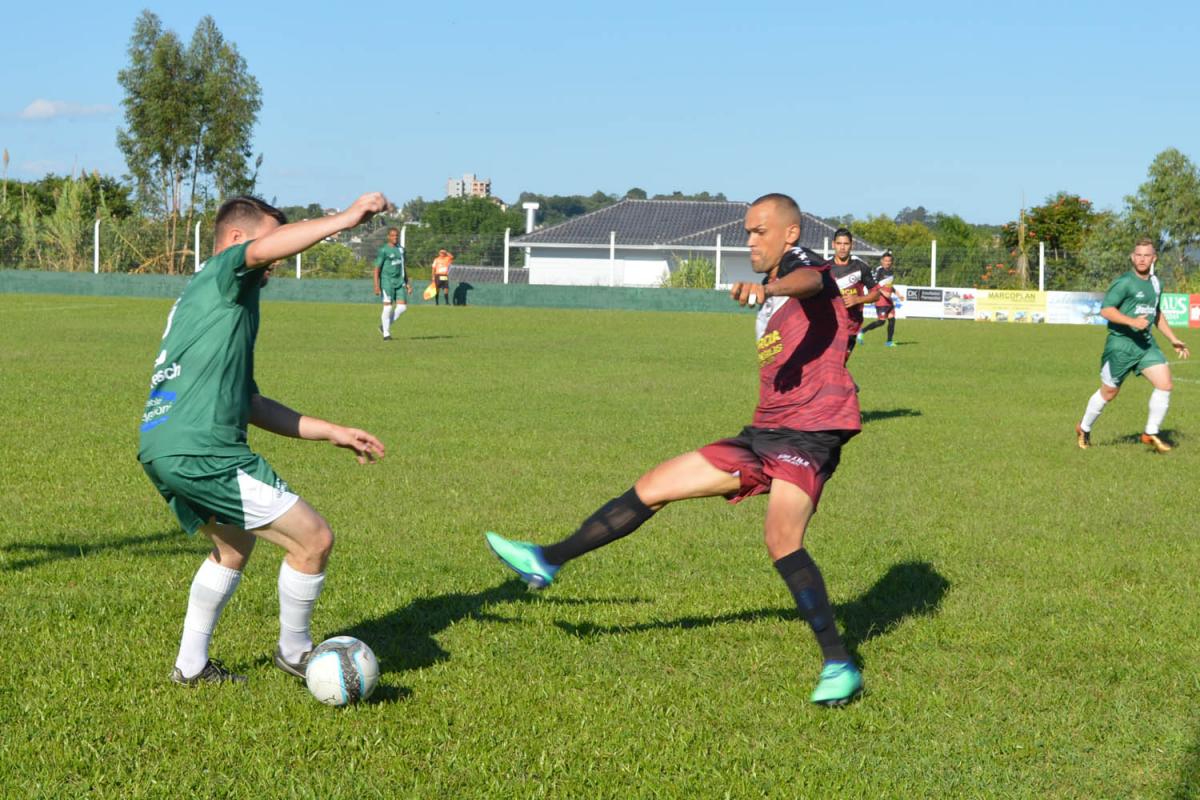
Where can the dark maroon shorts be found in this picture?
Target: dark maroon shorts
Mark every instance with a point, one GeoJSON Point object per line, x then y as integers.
{"type": "Point", "coordinates": [759, 455]}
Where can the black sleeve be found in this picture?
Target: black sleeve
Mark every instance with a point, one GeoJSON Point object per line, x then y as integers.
{"type": "Point", "coordinates": [868, 280]}
{"type": "Point", "coordinates": [799, 258]}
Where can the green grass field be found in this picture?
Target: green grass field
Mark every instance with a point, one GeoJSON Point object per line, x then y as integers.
{"type": "Point", "coordinates": [1025, 612]}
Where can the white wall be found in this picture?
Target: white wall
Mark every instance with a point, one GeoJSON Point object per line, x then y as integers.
{"type": "Point", "coordinates": [591, 267]}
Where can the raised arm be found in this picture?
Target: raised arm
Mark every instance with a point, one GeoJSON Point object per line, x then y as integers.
{"type": "Point", "coordinates": [277, 418]}
{"type": "Point", "coordinates": [296, 237]}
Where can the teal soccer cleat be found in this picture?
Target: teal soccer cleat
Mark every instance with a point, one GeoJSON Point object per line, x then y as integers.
{"type": "Point", "coordinates": [840, 683]}
{"type": "Point", "coordinates": [523, 558]}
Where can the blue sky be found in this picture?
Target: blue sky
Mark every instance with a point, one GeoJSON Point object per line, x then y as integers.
{"type": "Point", "coordinates": [859, 107]}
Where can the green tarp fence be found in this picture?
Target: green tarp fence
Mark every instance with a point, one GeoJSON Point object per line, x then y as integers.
{"type": "Point", "coordinates": [319, 290]}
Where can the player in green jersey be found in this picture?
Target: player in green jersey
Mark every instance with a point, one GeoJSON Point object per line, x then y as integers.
{"type": "Point", "coordinates": [391, 281]}
{"type": "Point", "coordinates": [1131, 307]}
{"type": "Point", "coordinates": [193, 434]}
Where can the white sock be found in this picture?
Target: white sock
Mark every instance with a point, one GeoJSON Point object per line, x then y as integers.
{"type": "Point", "coordinates": [400, 309]}
{"type": "Point", "coordinates": [211, 589]}
{"type": "Point", "coordinates": [1159, 400]}
{"type": "Point", "coordinates": [385, 320]}
{"type": "Point", "coordinates": [1096, 404]}
{"type": "Point", "coordinates": [298, 594]}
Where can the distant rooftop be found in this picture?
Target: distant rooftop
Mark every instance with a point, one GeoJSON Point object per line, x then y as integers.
{"type": "Point", "coordinates": [674, 223]}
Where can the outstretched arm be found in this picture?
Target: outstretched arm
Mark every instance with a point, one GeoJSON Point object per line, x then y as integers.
{"type": "Point", "coordinates": [296, 237]}
{"type": "Point", "coordinates": [277, 418]}
{"type": "Point", "coordinates": [800, 283]}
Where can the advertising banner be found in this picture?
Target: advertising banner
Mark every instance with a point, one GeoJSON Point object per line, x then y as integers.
{"type": "Point", "coordinates": [930, 303]}
{"type": "Point", "coordinates": [1175, 308]}
{"type": "Point", "coordinates": [1194, 311]}
{"type": "Point", "coordinates": [1074, 308]}
{"type": "Point", "coordinates": [1010, 306]}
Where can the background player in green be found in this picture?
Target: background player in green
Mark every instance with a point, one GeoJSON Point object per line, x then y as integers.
{"type": "Point", "coordinates": [391, 281]}
{"type": "Point", "coordinates": [193, 434]}
{"type": "Point", "coordinates": [1131, 307]}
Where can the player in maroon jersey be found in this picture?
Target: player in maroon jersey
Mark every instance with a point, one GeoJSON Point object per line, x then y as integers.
{"type": "Point", "coordinates": [885, 305]}
{"type": "Point", "coordinates": [855, 282]}
{"type": "Point", "coordinates": [807, 410]}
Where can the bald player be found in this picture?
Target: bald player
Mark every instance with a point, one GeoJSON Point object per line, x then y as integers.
{"type": "Point", "coordinates": [807, 410]}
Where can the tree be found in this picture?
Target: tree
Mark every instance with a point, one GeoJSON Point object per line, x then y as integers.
{"type": "Point", "coordinates": [556, 208]}
{"type": "Point", "coordinates": [635, 194]}
{"type": "Point", "coordinates": [1167, 208]}
{"type": "Point", "coordinates": [189, 114]}
{"type": "Point", "coordinates": [414, 209]}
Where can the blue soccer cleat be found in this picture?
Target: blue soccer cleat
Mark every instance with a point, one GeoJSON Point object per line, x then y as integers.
{"type": "Point", "coordinates": [840, 683]}
{"type": "Point", "coordinates": [523, 558]}
{"type": "Point", "coordinates": [889, 344]}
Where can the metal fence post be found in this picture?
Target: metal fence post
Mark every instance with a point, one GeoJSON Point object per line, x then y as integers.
{"type": "Point", "coordinates": [297, 266]}
{"type": "Point", "coordinates": [612, 258]}
{"type": "Point", "coordinates": [197, 248]}
{"type": "Point", "coordinates": [507, 233]}
{"type": "Point", "coordinates": [717, 282]}
{"type": "Point", "coordinates": [1041, 266]}
{"type": "Point", "coordinates": [933, 264]}
{"type": "Point", "coordinates": [96, 248]}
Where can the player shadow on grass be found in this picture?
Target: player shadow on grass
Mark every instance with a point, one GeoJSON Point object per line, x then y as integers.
{"type": "Point", "coordinates": [1189, 773]}
{"type": "Point", "coordinates": [43, 553]}
{"type": "Point", "coordinates": [910, 589]}
{"type": "Point", "coordinates": [888, 413]}
{"type": "Point", "coordinates": [1169, 436]}
{"type": "Point", "coordinates": [404, 639]}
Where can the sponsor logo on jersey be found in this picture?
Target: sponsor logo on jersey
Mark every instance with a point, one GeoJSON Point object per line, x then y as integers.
{"type": "Point", "coordinates": [170, 373]}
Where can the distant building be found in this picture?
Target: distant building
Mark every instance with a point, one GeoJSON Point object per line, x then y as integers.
{"type": "Point", "coordinates": [637, 242]}
{"type": "Point", "coordinates": [469, 186]}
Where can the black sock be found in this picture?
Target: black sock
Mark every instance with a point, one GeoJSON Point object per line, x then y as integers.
{"type": "Point", "coordinates": [618, 517]}
{"type": "Point", "coordinates": [802, 577]}
{"type": "Point", "coordinates": [891, 328]}
{"type": "Point", "coordinates": [873, 325]}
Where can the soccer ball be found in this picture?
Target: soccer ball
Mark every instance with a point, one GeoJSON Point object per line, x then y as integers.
{"type": "Point", "coordinates": [341, 671]}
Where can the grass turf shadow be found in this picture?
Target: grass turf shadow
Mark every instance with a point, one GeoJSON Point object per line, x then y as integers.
{"type": "Point", "coordinates": [909, 589]}
{"type": "Point", "coordinates": [404, 639]}
{"type": "Point", "coordinates": [888, 413]}
{"type": "Point", "coordinates": [43, 553]}
{"type": "Point", "coordinates": [1188, 787]}
{"type": "Point", "coordinates": [1168, 435]}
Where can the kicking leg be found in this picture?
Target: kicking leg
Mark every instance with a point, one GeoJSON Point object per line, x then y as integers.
{"type": "Point", "coordinates": [308, 540]}
{"type": "Point", "coordinates": [684, 477]}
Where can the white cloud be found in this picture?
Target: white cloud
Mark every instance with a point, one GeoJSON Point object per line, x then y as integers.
{"type": "Point", "coordinates": [42, 109]}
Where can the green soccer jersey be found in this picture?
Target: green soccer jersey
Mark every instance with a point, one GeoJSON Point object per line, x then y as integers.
{"type": "Point", "coordinates": [390, 262]}
{"type": "Point", "coordinates": [1135, 297]}
{"type": "Point", "coordinates": [203, 377]}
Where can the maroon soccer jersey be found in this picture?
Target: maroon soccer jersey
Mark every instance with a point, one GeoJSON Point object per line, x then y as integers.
{"type": "Point", "coordinates": [803, 381]}
{"type": "Point", "coordinates": [853, 280]}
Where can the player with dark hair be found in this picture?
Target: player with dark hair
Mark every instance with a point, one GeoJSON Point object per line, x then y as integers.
{"type": "Point", "coordinates": [807, 410]}
{"type": "Point", "coordinates": [1131, 306]}
{"type": "Point", "coordinates": [855, 282]}
{"type": "Point", "coordinates": [391, 281]}
{"type": "Point", "coordinates": [885, 304]}
{"type": "Point", "coordinates": [193, 434]}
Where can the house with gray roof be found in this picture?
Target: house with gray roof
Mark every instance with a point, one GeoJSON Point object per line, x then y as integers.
{"type": "Point", "coordinates": [636, 243]}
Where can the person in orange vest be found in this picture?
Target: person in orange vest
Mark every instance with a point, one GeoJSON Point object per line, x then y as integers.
{"type": "Point", "coordinates": [441, 276]}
